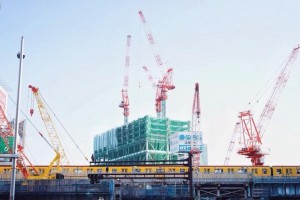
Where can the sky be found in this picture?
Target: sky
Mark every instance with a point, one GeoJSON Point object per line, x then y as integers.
{"type": "Point", "coordinates": [75, 53]}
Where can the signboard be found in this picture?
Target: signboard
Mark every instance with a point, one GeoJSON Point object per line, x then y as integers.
{"type": "Point", "coordinates": [181, 142]}
{"type": "Point", "coordinates": [3, 148]}
{"type": "Point", "coordinates": [3, 99]}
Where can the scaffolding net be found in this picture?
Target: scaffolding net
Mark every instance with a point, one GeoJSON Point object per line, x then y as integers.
{"type": "Point", "coordinates": [146, 138]}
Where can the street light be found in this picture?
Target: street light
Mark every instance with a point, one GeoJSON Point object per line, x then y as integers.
{"type": "Point", "coordinates": [20, 56]}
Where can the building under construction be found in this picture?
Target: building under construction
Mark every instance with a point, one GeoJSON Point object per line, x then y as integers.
{"type": "Point", "coordinates": [146, 138]}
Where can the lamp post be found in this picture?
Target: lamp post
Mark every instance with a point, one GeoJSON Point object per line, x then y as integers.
{"type": "Point", "coordinates": [20, 56]}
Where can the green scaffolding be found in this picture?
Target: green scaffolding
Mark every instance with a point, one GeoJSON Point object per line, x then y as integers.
{"type": "Point", "coordinates": [146, 138]}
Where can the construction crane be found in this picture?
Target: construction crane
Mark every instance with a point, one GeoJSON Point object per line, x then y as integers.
{"type": "Point", "coordinates": [161, 88]}
{"type": "Point", "coordinates": [251, 134]}
{"type": "Point", "coordinates": [231, 144]}
{"type": "Point", "coordinates": [55, 141]}
{"type": "Point", "coordinates": [196, 114]}
{"type": "Point", "coordinates": [6, 132]}
{"type": "Point", "coordinates": [165, 83]}
{"type": "Point", "coordinates": [28, 171]}
{"type": "Point", "coordinates": [125, 100]}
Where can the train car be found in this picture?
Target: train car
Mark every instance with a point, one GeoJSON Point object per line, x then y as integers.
{"type": "Point", "coordinates": [263, 171]}
{"type": "Point", "coordinates": [81, 171]}
{"type": "Point", "coordinates": [279, 171]}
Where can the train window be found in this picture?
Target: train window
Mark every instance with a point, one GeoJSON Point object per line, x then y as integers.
{"type": "Point", "coordinates": [136, 170]}
{"type": "Point", "coordinates": [77, 171]}
{"type": "Point", "coordinates": [288, 171]}
{"type": "Point", "coordinates": [89, 170]}
{"type": "Point", "coordinates": [171, 170]}
{"type": "Point", "coordinates": [254, 171]}
{"type": "Point", "coordinates": [148, 170]}
{"type": "Point", "coordinates": [32, 172]}
{"type": "Point", "coordinates": [264, 171]}
{"type": "Point", "coordinates": [159, 170]}
{"type": "Point", "coordinates": [218, 171]}
{"type": "Point", "coordinates": [230, 171]}
{"type": "Point", "coordinates": [125, 170]}
{"type": "Point", "coordinates": [298, 170]}
{"type": "Point", "coordinates": [278, 171]}
{"type": "Point", "coordinates": [242, 170]}
{"type": "Point", "coordinates": [182, 170]}
{"type": "Point", "coordinates": [114, 170]}
{"type": "Point", "coordinates": [65, 171]}
{"type": "Point", "coordinates": [206, 171]}
{"type": "Point", "coordinates": [99, 170]}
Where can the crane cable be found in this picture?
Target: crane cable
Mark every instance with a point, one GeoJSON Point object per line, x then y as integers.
{"type": "Point", "coordinates": [64, 129]}
{"type": "Point", "coordinates": [263, 90]}
{"type": "Point", "coordinates": [34, 126]}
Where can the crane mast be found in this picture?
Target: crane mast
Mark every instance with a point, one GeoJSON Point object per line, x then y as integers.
{"type": "Point", "coordinates": [165, 83]}
{"type": "Point", "coordinates": [125, 100]}
{"type": "Point", "coordinates": [196, 112]}
{"type": "Point", "coordinates": [55, 141]}
{"type": "Point", "coordinates": [251, 134]}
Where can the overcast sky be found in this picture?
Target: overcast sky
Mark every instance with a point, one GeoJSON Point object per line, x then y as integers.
{"type": "Point", "coordinates": [75, 53]}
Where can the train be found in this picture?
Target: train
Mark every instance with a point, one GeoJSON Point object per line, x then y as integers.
{"type": "Point", "coordinates": [81, 171]}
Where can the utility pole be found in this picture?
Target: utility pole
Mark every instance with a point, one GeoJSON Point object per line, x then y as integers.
{"type": "Point", "coordinates": [190, 175]}
{"type": "Point", "coordinates": [20, 56]}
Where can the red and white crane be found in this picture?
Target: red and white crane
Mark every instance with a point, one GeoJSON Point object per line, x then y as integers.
{"type": "Point", "coordinates": [196, 111]}
{"type": "Point", "coordinates": [125, 100]}
{"type": "Point", "coordinates": [232, 141]}
{"type": "Point", "coordinates": [165, 83]}
{"type": "Point", "coordinates": [196, 134]}
{"type": "Point", "coordinates": [251, 134]}
{"type": "Point", "coordinates": [6, 132]}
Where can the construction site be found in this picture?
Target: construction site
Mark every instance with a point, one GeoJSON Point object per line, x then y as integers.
{"type": "Point", "coordinates": [150, 157]}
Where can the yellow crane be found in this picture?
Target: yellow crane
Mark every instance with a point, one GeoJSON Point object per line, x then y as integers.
{"type": "Point", "coordinates": [62, 160]}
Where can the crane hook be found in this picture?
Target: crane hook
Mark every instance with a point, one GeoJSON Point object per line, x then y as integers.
{"type": "Point", "coordinates": [31, 111]}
